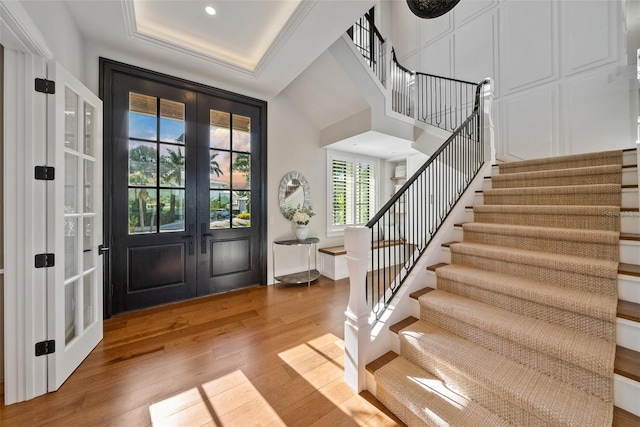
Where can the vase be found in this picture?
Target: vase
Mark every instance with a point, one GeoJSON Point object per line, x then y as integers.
{"type": "Point", "coordinates": [302, 231]}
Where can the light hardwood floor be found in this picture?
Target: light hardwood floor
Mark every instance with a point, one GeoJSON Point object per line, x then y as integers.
{"type": "Point", "coordinates": [260, 356]}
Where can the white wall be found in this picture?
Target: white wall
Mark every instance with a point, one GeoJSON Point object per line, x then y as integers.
{"type": "Point", "coordinates": [563, 83]}
{"type": "Point", "coordinates": [61, 33]}
{"type": "Point", "coordinates": [294, 144]}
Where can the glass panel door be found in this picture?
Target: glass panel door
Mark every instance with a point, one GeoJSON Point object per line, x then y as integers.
{"type": "Point", "coordinates": [75, 297]}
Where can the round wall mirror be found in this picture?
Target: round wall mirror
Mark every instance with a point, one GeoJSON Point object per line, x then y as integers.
{"type": "Point", "coordinates": [293, 192]}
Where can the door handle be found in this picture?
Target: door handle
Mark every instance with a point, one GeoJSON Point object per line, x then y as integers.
{"type": "Point", "coordinates": [190, 242]}
{"type": "Point", "coordinates": [102, 249]}
{"type": "Point", "coordinates": [203, 238]}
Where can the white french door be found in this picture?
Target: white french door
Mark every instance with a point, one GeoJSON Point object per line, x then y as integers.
{"type": "Point", "coordinates": [74, 223]}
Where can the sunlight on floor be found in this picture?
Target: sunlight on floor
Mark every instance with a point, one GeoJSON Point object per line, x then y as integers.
{"type": "Point", "coordinates": [214, 403]}
{"type": "Point", "coordinates": [306, 388]}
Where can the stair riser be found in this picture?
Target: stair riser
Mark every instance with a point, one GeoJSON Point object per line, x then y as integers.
{"type": "Point", "coordinates": [629, 288]}
{"type": "Point", "coordinates": [628, 334]}
{"type": "Point", "coordinates": [569, 199]}
{"type": "Point", "coordinates": [625, 394]}
{"type": "Point", "coordinates": [565, 372]}
{"type": "Point", "coordinates": [630, 199]}
{"type": "Point", "coordinates": [629, 177]}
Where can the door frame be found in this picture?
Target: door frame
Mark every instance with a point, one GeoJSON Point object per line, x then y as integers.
{"type": "Point", "coordinates": [107, 69]}
{"type": "Point", "coordinates": [25, 141]}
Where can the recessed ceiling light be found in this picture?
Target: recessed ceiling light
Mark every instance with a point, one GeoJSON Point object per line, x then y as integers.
{"type": "Point", "coordinates": [210, 10]}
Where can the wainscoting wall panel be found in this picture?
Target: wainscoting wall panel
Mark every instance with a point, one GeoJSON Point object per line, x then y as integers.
{"type": "Point", "coordinates": [436, 58]}
{"type": "Point", "coordinates": [562, 81]}
{"type": "Point", "coordinates": [529, 43]}
{"type": "Point", "coordinates": [529, 126]}
{"type": "Point", "coordinates": [474, 48]}
{"type": "Point", "coordinates": [592, 98]}
{"type": "Point", "coordinates": [431, 29]}
{"type": "Point", "coordinates": [587, 45]}
{"type": "Point", "coordinates": [467, 10]}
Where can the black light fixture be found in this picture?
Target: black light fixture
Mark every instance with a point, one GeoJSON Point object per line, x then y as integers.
{"type": "Point", "coordinates": [429, 9]}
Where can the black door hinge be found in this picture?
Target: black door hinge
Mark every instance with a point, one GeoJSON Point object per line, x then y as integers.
{"type": "Point", "coordinates": [102, 249]}
{"type": "Point", "coordinates": [46, 86]}
{"type": "Point", "coordinates": [45, 347]}
{"type": "Point", "coordinates": [45, 173]}
{"type": "Point", "coordinates": [45, 260]}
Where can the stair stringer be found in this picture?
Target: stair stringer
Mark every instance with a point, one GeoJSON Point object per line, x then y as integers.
{"type": "Point", "coordinates": [382, 339]}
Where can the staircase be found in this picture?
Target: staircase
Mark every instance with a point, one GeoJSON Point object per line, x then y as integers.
{"type": "Point", "coordinates": [532, 317]}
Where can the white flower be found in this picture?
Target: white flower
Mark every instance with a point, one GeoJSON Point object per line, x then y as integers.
{"type": "Point", "coordinates": [300, 215]}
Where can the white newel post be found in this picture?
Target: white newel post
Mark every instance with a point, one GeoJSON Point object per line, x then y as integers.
{"type": "Point", "coordinates": [357, 331]}
{"type": "Point", "coordinates": [489, 140]}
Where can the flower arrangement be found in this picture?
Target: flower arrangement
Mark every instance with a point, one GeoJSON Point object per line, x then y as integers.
{"type": "Point", "coordinates": [300, 215]}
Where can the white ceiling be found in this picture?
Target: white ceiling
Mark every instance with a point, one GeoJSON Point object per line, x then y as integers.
{"type": "Point", "coordinates": [254, 47]}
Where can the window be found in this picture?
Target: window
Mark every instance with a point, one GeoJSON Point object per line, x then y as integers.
{"type": "Point", "coordinates": [352, 190]}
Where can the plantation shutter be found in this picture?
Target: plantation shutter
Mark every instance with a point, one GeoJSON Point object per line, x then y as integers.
{"type": "Point", "coordinates": [353, 192]}
{"type": "Point", "coordinates": [364, 197]}
{"type": "Point", "coordinates": [342, 194]}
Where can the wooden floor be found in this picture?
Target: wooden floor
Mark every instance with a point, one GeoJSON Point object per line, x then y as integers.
{"type": "Point", "coordinates": [261, 356]}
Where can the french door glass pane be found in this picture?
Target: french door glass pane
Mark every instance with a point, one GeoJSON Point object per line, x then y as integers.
{"type": "Point", "coordinates": [87, 244]}
{"type": "Point", "coordinates": [88, 309]}
{"type": "Point", "coordinates": [171, 121]}
{"type": "Point", "coordinates": [70, 300]}
{"type": "Point", "coordinates": [70, 247]}
{"type": "Point", "coordinates": [142, 210]}
{"type": "Point", "coordinates": [70, 183]}
{"type": "Point", "coordinates": [219, 168]}
{"type": "Point", "coordinates": [143, 111]}
{"type": "Point", "coordinates": [219, 130]}
{"type": "Point", "coordinates": [172, 170]}
{"type": "Point", "coordinates": [89, 117]}
{"type": "Point", "coordinates": [70, 119]}
{"type": "Point", "coordinates": [219, 205]}
{"type": "Point", "coordinates": [88, 186]}
{"type": "Point", "coordinates": [142, 163]}
{"type": "Point", "coordinates": [172, 210]}
{"type": "Point", "coordinates": [241, 133]}
{"type": "Point", "coordinates": [241, 167]}
{"type": "Point", "coordinates": [241, 208]}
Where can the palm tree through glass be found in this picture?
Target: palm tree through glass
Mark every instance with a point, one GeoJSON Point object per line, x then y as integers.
{"type": "Point", "coordinates": [156, 164]}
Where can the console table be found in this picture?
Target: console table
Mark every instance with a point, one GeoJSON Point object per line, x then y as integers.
{"type": "Point", "coordinates": [307, 276]}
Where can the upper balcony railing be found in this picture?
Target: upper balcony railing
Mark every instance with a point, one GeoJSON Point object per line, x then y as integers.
{"type": "Point", "coordinates": [411, 218]}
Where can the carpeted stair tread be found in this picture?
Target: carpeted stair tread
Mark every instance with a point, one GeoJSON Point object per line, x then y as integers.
{"type": "Point", "coordinates": [587, 274]}
{"type": "Point", "coordinates": [573, 300]}
{"type": "Point", "coordinates": [593, 354]}
{"type": "Point", "coordinates": [594, 195]}
{"type": "Point", "coordinates": [401, 383]}
{"type": "Point", "coordinates": [553, 401]}
{"type": "Point", "coordinates": [563, 162]}
{"type": "Point", "coordinates": [575, 264]}
{"type": "Point", "coordinates": [607, 174]}
{"type": "Point", "coordinates": [569, 241]}
{"type": "Point", "coordinates": [554, 216]}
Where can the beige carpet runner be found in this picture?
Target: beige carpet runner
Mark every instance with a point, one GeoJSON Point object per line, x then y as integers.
{"type": "Point", "coordinates": [521, 328]}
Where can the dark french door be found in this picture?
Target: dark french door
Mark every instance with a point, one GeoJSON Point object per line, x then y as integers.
{"type": "Point", "coordinates": [186, 178]}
